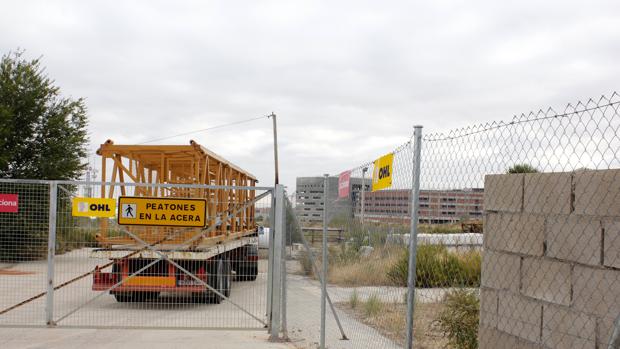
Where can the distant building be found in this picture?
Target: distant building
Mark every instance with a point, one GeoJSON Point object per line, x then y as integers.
{"type": "Point", "coordinates": [391, 205]}
{"type": "Point", "coordinates": [309, 198]}
{"type": "Point", "coordinates": [436, 206]}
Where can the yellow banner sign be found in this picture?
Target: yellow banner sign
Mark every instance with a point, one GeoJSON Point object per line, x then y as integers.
{"type": "Point", "coordinates": [92, 207]}
{"type": "Point", "coordinates": [382, 174]}
{"type": "Point", "coordinates": [162, 211]}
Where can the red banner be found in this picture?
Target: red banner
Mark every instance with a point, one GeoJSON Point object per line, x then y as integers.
{"type": "Point", "coordinates": [8, 203]}
{"type": "Point", "coordinates": [344, 184]}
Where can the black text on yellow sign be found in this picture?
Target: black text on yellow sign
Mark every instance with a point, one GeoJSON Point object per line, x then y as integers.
{"type": "Point", "coordinates": [93, 207]}
{"type": "Point", "coordinates": [162, 211]}
{"type": "Point", "coordinates": [382, 174]}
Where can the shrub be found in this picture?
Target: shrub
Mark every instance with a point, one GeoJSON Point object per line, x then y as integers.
{"type": "Point", "coordinates": [373, 305]}
{"type": "Point", "coordinates": [459, 319]}
{"type": "Point", "coordinates": [436, 267]}
{"type": "Point", "coordinates": [354, 299]}
{"type": "Point", "coordinates": [522, 168]}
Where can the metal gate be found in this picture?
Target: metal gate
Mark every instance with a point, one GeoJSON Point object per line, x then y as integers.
{"type": "Point", "coordinates": [66, 261]}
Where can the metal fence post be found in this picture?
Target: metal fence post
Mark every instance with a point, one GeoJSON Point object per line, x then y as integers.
{"type": "Point", "coordinates": [413, 236]}
{"type": "Point", "coordinates": [324, 246]}
{"type": "Point", "coordinates": [270, 242]}
{"type": "Point", "coordinates": [277, 264]}
{"type": "Point", "coordinates": [51, 251]}
{"type": "Point", "coordinates": [283, 263]}
{"type": "Point", "coordinates": [614, 339]}
{"type": "Point", "coordinates": [363, 190]}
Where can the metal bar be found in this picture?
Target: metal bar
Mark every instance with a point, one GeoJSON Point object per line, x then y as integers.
{"type": "Point", "coordinates": [614, 339]}
{"type": "Point", "coordinates": [157, 185]}
{"type": "Point", "coordinates": [277, 265]}
{"type": "Point", "coordinates": [270, 242]}
{"type": "Point", "coordinates": [318, 273]}
{"type": "Point", "coordinates": [324, 279]}
{"type": "Point", "coordinates": [363, 190]}
{"type": "Point", "coordinates": [275, 147]}
{"type": "Point", "coordinates": [413, 237]}
{"type": "Point", "coordinates": [51, 251]}
{"type": "Point", "coordinates": [283, 275]}
{"type": "Point", "coordinates": [197, 236]}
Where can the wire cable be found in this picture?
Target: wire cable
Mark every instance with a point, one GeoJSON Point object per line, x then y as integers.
{"type": "Point", "coordinates": [206, 129]}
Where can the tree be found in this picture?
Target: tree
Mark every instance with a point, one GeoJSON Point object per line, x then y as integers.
{"type": "Point", "coordinates": [522, 168]}
{"type": "Point", "coordinates": [42, 134]}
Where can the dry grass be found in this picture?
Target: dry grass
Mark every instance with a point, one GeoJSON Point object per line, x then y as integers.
{"type": "Point", "coordinates": [368, 271]}
{"type": "Point", "coordinates": [391, 323]}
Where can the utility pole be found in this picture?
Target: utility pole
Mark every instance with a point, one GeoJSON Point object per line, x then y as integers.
{"type": "Point", "coordinates": [275, 147]}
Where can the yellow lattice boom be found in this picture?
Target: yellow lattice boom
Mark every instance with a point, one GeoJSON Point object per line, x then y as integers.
{"type": "Point", "coordinates": [178, 164]}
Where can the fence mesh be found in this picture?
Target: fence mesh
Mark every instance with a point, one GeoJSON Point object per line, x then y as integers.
{"type": "Point", "coordinates": [23, 251]}
{"type": "Point", "coordinates": [111, 275]}
{"type": "Point", "coordinates": [517, 237]}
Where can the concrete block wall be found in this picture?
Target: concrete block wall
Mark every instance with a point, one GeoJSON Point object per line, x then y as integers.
{"type": "Point", "coordinates": [551, 261]}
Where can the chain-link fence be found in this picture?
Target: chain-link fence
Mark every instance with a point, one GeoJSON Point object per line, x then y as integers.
{"type": "Point", "coordinates": [129, 255]}
{"type": "Point", "coordinates": [517, 238]}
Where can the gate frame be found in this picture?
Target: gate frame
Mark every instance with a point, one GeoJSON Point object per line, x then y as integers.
{"type": "Point", "coordinates": [274, 317]}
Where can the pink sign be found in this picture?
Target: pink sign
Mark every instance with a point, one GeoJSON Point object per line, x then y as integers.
{"type": "Point", "coordinates": [344, 183]}
{"type": "Point", "coordinates": [8, 203]}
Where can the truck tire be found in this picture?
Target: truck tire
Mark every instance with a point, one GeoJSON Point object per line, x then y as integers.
{"type": "Point", "coordinates": [124, 297]}
{"type": "Point", "coordinates": [220, 279]}
{"type": "Point", "coordinates": [248, 272]}
{"type": "Point", "coordinates": [145, 296]}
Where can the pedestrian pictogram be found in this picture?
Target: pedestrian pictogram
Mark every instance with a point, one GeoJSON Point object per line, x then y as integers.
{"type": "Point", "coordinates": [128, 211]}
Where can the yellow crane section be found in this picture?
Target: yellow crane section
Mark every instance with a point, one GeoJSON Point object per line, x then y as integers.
{"type": "Point", "coordinates": [177, 164]}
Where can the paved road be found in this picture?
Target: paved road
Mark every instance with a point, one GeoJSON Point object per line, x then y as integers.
{"type": "Point", "coordinates": [23, 280]}
{"type": "Point", "coordinates": [57, 338]}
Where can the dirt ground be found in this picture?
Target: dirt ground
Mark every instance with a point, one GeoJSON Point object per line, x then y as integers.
{"type": "Point", "coordinates": [390, 322]}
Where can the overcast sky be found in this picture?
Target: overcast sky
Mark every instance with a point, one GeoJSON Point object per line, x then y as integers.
{"type": "Point", "coordinates": [348, 79]}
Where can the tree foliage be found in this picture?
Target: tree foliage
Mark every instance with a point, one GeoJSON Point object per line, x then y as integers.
{"type": "Point", "coordinates": [42, 134]}
{"type": "Point", "coordinates": [522, 168]}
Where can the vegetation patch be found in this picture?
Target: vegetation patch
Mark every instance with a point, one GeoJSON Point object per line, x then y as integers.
{"type": "Point", "coordinates": [458, 319]}
{"type": "Point", "coordinates": [390, 321]}
{"type": "Point", "coordinates": [437, 267]}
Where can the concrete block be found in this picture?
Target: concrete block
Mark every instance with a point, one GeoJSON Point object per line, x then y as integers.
{"type": "Point", "coordinates": [500, 271]}
{"type": "Point", "coordinates": [596, 291]}
{"type": "Point", "coordinates": [575, 238]}
{"type": "Point", "coordinates": [503, 192]}
{"type": "Point", "coordinates": [491, 338]}
{"type": "Point", "coordinates": [520, 317]}
{"type": "Point", "coordinates": [605, 327]}
{"type": "Point", "coordinates": [546, 280]}
{"type": "Point", "coordinates": [488, 307]}
{"type": "Point", "coordinates": [566, 329]}
{"type": "Point", "coordinates": [611, 250]}
{"type": "Point", "coordinates": [597, 192]}
{"type": "Point", "coordinates": [514, 232]}
{"type": "Point", "coordinates": [547, 193]}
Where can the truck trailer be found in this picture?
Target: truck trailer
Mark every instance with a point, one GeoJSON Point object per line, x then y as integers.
{"type": "Point", "coordinates": [224, 247]}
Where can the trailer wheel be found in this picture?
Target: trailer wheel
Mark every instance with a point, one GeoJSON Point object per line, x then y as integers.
{"type": "Point", "coordinates": [248, 272]}
{"type": "Point", "coordinates": [145, 296]}
{"type": "Point", "coordinates": [123, 297]}
{"type": "Point", "coordinates": [220, 280]}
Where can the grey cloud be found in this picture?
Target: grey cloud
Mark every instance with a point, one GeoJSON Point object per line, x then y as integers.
{"type": "Point", "coordinates": [347, 79]}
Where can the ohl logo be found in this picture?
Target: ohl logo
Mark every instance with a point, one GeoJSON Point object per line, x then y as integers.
{"type": "Point", "coordinates": [384, 172]}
